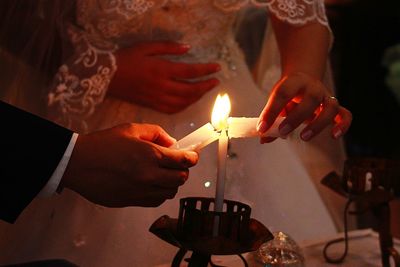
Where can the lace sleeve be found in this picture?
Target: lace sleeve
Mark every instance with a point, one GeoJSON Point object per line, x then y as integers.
{"type": "Point", "coordinates": [82, 81]}
{"type": "Point", "coordinates": [297, 12]}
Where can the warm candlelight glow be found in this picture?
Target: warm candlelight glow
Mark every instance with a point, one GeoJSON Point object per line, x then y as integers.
{"type": "Point", "coordinates": [233, 127]}
{"type": "Point", "coordinates": [220, 113]}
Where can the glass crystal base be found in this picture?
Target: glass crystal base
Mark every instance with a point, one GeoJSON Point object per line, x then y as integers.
{"type": "Point", "coordinates": [282, 251]}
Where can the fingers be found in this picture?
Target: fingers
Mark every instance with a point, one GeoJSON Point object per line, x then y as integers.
{"type": "Point", "coordinates": [330, 108]}
{"type": "Point", "coordinates": [152, 133]}
{"type": "Point", "coordinates": [155, 196]}
{"type": "Point", "coordinates": [331, 112]}
{"type": "Point", "coordinates": [176, 96]}
{"type": "Point", "coordinates": [162, 48]}
{"type": "Point", "coordinates": [171, 178]}
{"type": "Point", "coordinates": [177, 159]}
{"type": "Point", "coordinates": [166, 193]}
{"type": "Point", "coordinates": [311, 100]}
{"type": "Point", "coordinates": [268, 139]}
{"type": "Point", "coordinates": [193, 71]}
{"type": "Point", "coordinates": [162, 137]}
{"type": "Point", "coordinates": [178, 69]}
{"type": "Point", "coordinates": [303, 100]}
{"type": "Point", "coordinates": [284, 91]}
{"type": "Point", "coordinates": [343, 122]}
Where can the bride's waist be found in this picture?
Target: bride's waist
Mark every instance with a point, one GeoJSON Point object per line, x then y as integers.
{"type": "Point", "coordinates": [203, 52]}
{"type": "Point", "coordinates": [202, 48]}
{"type": "Point", "coordinates": [223, 50]}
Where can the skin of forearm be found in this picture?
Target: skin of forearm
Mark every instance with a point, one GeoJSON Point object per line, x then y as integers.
{"type": "Point", "coordinates": [302, 48]}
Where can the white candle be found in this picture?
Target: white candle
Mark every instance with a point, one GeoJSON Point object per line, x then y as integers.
{"type": "Point", "coordinates": [198, 139]}
{"type": "Point", "coordinates": [237, 128]}
{"type": "Point", "coordinates": [219, 119]}
{"type": "Point", "coordinates": [221, 174]}
{"type": "Point", "coordinates": [247, 127]}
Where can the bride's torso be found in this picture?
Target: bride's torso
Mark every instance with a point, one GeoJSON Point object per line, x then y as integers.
{"type": "Point", "coordinates": [204, 24]}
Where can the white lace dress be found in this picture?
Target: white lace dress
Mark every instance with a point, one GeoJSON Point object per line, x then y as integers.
{"type": "Point", "coordinates": [271, 178]}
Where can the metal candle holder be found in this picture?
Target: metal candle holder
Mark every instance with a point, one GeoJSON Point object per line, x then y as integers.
{"type": "Point", "coordinates": [193, 231]}
{"type": "Point", "coordinates": [371, 183]}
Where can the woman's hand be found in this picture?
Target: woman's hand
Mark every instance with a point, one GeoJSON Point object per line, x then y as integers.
{"type": "Point", "coordinates": [145, 78]}
{"type": "Point", "coordinates": [304, 99]}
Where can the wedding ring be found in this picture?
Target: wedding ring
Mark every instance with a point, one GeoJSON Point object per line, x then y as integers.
{"type": "Point", "coordinates": [326, 99]}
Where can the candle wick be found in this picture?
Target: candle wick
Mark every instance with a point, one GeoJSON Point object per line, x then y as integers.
{"type": "Point", "coordinates": [226, 129]}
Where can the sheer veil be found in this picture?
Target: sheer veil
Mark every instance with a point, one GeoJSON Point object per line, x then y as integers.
{"type": "Point", "coordinates": [31, 48]}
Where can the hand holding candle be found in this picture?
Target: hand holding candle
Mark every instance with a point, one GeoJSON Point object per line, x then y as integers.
{"type": "Point", "coordinates": [305, 99]}
{"type": "Point", "coordinates": [237, 127]}
{"type": "Point", "coordinates": [198, 139]}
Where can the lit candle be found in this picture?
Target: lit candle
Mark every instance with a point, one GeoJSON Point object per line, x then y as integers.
{"type": "Point", "coordinates": [219, 120]}
{"type": "Point", "coordinates": [237, 128]}
{"type": "Point", "coordinates": [221, 128]}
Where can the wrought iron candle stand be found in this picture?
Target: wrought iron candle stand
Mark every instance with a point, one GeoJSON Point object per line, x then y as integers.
{"type": "Point", "coordinates": [193, 231]}
{"type": "Point", "coordinates": [371, 184]}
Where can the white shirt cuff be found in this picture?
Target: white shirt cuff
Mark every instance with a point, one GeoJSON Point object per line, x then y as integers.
{"type": "Point", "coordinates": [52, 185]}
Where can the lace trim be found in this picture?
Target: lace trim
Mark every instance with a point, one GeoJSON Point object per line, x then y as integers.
{"type": "Point", "coordinates": [112, 18]}
{"type": "Point", "coordinates": [127, 8]}
{"type": "Point", "coordinates": [297, 12]}
{"type": "Point", "coordinates": [81, 83]}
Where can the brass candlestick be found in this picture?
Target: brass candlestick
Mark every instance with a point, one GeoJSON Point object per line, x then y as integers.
{"type": "Point", "coordinates": [193, 231]}
{"type": "Point", "coordinates": [371, 184]}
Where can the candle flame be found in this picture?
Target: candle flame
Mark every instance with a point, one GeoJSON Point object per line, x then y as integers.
{"type": "Point", "coordinates": [220, 113]}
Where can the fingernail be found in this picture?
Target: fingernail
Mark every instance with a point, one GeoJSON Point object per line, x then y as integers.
{"type": "Point", "coordinates": [186, 46]}
{"type": "Point", "coordinates": [285, 129]}
{"type": "Point", "coordinates": [307, 135]}
{"type": "Point", "coordinates": [267, 139]}
{"type": "Point", "coordinates": [192, 153]}
{"type": "Point", "coordinates": [262, 127]}
{"type": "Point", "coordinates": [337, 133]}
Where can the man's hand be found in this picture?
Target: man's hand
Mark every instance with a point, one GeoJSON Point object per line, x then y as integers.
{"type": "Point", "coordinates": [128, 165]}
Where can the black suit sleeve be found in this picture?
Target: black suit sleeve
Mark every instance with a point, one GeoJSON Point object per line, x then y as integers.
{"type": "Point", "coordinates": [31, 149]}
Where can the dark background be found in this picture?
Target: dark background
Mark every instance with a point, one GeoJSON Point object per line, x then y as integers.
{"type": "Point", "coordinates": [363, 30]}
